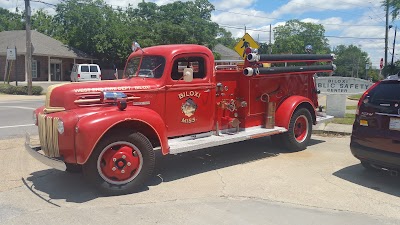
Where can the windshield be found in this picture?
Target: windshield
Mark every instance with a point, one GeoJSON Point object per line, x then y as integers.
{"type": "Point", "coordinates": [151, 67]}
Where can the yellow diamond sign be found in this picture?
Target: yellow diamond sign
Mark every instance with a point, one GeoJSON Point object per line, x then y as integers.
{"type": "Point", "coordinates": [245, 42]}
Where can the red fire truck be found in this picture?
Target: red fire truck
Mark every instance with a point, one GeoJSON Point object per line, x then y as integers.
{"type": "Point", "coordinates": [175, 98]}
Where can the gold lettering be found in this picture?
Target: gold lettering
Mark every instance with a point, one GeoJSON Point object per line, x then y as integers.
{"type": "Point", "coordinates": [189, 94]}
{"type": "Point", "coordinates": [188, 120]}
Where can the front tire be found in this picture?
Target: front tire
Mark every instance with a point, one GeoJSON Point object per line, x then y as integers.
{"type": "Point", "coordinates": [121, 164]}
{"type": "Point", "coordinates": [299, 133]}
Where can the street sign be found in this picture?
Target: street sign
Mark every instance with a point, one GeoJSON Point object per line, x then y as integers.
{"type": "Point", "coordinates": [11, 54]}
{"type": "Point", "coordinates": [245, 42]}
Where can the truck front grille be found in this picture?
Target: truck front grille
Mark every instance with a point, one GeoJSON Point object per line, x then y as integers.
{"type": "Point", "coordinates": [48, 135]}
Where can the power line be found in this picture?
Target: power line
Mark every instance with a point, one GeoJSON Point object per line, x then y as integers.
{"type": "Point", "coordinates": [279, 19]}
{"type": "Point", "coordinates": [46, 3]}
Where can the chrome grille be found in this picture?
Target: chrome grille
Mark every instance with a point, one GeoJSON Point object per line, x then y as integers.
{"type": "Point", "coordinates": [48, 135]}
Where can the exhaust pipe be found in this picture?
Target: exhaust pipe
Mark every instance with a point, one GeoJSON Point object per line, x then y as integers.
{"type": "Point", "coordinates": [250, 71]}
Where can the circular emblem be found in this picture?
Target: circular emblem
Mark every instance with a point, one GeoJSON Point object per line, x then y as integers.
{"type": "Point", "coordinates": [189, 107]}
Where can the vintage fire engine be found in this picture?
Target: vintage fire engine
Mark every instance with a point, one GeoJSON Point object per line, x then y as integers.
{"type": "Point", "coordinates": [175, 99]}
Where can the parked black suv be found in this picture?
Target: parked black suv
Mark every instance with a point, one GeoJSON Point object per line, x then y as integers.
{"type": "Point", "coordinates": [375, 139]}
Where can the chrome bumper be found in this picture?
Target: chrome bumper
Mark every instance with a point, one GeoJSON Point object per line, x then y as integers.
{"type": "Point", "coordinates": [33, 151]}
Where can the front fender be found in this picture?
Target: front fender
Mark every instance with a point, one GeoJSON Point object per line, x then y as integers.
{"type": "Point", "coordinates": [93, 127]}
{"type": "Point", "coordinates": [286, 109]}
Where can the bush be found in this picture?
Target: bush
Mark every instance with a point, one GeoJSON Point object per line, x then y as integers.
{"type": "Point", "coordinates": [19, 90]}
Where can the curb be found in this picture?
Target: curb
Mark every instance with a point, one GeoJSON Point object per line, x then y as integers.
{"type": "Point", "coordinates": [329, 132]}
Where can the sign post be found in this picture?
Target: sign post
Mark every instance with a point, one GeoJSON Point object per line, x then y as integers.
{"type": "Point", "coordinates": [11, 56]}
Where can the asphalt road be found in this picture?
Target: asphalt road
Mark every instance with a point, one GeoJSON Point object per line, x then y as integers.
{"type": "Point", "coordinates": [250, 182]}
{"type": "Point", "coordinates": [16, 117]}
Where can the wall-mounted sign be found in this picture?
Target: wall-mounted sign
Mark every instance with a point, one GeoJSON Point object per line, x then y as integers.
{"type": "Point", "coordinates": [11, 54]}
{"type": "Point", "coordinates": [342, 85]}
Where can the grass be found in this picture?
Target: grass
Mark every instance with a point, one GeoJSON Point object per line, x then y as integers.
{"type": "Point", "coordinates": [355, 97]}
{"type": "Point", "coordinates": [348, 119]}
{"type": "Point", "coordinates": [351, 107]}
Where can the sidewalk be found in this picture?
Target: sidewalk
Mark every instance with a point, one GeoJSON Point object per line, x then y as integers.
{"type": "Point", "coordinates": [6, 98]}
{"type": "Point", "coordinates": [333, 128]}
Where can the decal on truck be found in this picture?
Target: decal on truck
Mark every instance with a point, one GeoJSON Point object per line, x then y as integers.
{"type": "Point", "coordinates": [122, 88]}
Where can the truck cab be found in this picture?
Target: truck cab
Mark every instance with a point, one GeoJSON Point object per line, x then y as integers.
{"type": "Point", "coordinates": [174, 98]}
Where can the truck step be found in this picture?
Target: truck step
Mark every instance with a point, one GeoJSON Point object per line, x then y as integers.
{"type": "Point", "coordinates": [177, 146]}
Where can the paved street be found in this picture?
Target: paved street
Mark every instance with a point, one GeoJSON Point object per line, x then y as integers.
{"type": "Point", "coordinates": [245, 183]}
{"type": "Point", "coordinates": [16, 117]}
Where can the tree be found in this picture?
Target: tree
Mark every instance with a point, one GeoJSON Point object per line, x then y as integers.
{"type": "Point", "coordinates": [43, 23]}
{"type": "Point", "coordinates": [351, 61]}
{"type": "Point", "coordinates": [295, 35]}
{"type": "Point", "coordinates": [394, 6]}
{"type": "Point", "coordinates": [10, 21]}
{"type": "Point", "coordinates": [225, 38]}
{"type": "Point", "coordinates": [95, 28]}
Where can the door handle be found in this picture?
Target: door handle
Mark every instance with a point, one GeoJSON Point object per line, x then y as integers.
{"type": "Point", "coordinates": [208, 90]}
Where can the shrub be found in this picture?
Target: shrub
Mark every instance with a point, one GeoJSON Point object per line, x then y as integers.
{"type": "Point", "coordinates": [19, 90]}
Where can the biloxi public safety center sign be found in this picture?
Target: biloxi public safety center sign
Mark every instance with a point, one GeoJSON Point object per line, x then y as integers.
{"type": "Point", "coordinates": [342, 85]}
{"type": "Point", "coordinates": [337, 89]}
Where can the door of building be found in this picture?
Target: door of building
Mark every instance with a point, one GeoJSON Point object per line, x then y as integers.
{"type": "Point", "coordinates": [55, 71]}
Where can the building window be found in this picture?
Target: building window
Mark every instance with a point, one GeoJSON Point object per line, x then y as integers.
{"type": "Point", "coordinates": [34, 69]}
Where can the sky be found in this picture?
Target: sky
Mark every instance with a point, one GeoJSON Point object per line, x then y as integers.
{"type": "Point", "coordinates": [356, 22]}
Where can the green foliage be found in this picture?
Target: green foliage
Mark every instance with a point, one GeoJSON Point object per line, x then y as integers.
{"type": "Point", "coordinates": [351, 61]}
{"type": "Point", "coordinates": [374, 75]}
{"type": "Point", "coordinates": [19, 90]}
{"type": "Point", "coordinates": [10, 21]}
{"type": "Point", "coordinates": [295, 35]}
{"type": "Point", "coordinates": [394, 7]}
{"type": "Point", "coordinates": [43, 23]}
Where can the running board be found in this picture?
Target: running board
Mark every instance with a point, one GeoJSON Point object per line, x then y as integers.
{"type": "Point", "coordinates": [177, 146]}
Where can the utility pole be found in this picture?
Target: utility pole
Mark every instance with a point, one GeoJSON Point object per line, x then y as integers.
{"type": "Point", "coordinates": [386, 31]}
{"type": "Point", "coordinates": [28, 55]}
{"type": "Point", "coordinates": [270, 39]}
{"type": "Point", "coordinates": [394, 43]}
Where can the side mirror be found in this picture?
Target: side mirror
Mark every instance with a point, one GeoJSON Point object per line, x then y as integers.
{"type": "Point", "coordinates": [188, 74]}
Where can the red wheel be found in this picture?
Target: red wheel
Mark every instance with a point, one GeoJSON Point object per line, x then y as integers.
{"type": "Point", "coordinates": [301, 128]}
{"type": "Point", "coordinates": [299, 133]}
{"type": "Point", "coordinates": [121, 164]}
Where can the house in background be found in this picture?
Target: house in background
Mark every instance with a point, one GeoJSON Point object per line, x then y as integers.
{"type": "Point", "coordinates": [51, 59]}
{"type": "Point", "coordinates": [226, 53]}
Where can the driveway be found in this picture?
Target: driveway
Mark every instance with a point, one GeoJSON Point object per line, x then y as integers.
{"type": "Point", "coordinates": [250, 182]}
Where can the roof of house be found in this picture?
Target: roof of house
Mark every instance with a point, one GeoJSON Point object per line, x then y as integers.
{"type": "Point", "coordinates": [43, 45]}
{"type": "Point", "coordinates": [226, 53]}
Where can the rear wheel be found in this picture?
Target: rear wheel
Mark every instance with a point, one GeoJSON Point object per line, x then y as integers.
{"type": "Point", "coordinates": [121, 164]}
{"type": "Point", "coordinates": [299, 133]}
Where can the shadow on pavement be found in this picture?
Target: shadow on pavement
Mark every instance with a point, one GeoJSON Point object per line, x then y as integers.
{"type": "Point", "coordinates": [377, 180]}
{"type": "Point", "coordinates": [73, 187]}
{"type": "Point", "coordinates": [174, 167]}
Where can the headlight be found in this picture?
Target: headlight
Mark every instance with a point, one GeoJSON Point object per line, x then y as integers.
{"type": "Point", "coordinates": [60, 127]}
{"type": "Point", "coordinates": [34, 117]}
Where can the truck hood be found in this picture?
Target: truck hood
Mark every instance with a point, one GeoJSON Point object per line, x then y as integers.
{"type": "Point", "coordinates": [62, 97]}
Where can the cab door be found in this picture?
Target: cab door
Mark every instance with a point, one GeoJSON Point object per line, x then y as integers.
{"type": "Point", "coordinates": [190, 105]}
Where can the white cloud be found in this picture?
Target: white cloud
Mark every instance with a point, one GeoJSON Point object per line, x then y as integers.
{"type": "Point", "coordinates": [230, 4]}
{"type": "Point", "coordinates": [301, 6]}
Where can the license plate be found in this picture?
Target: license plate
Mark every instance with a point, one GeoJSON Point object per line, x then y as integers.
{"type": "Point", "coordinates": [93, 76]}
{"type": "Point", "coordinates": [364, 123]}
{"type": "Point", "coordinates": [394, 123]}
